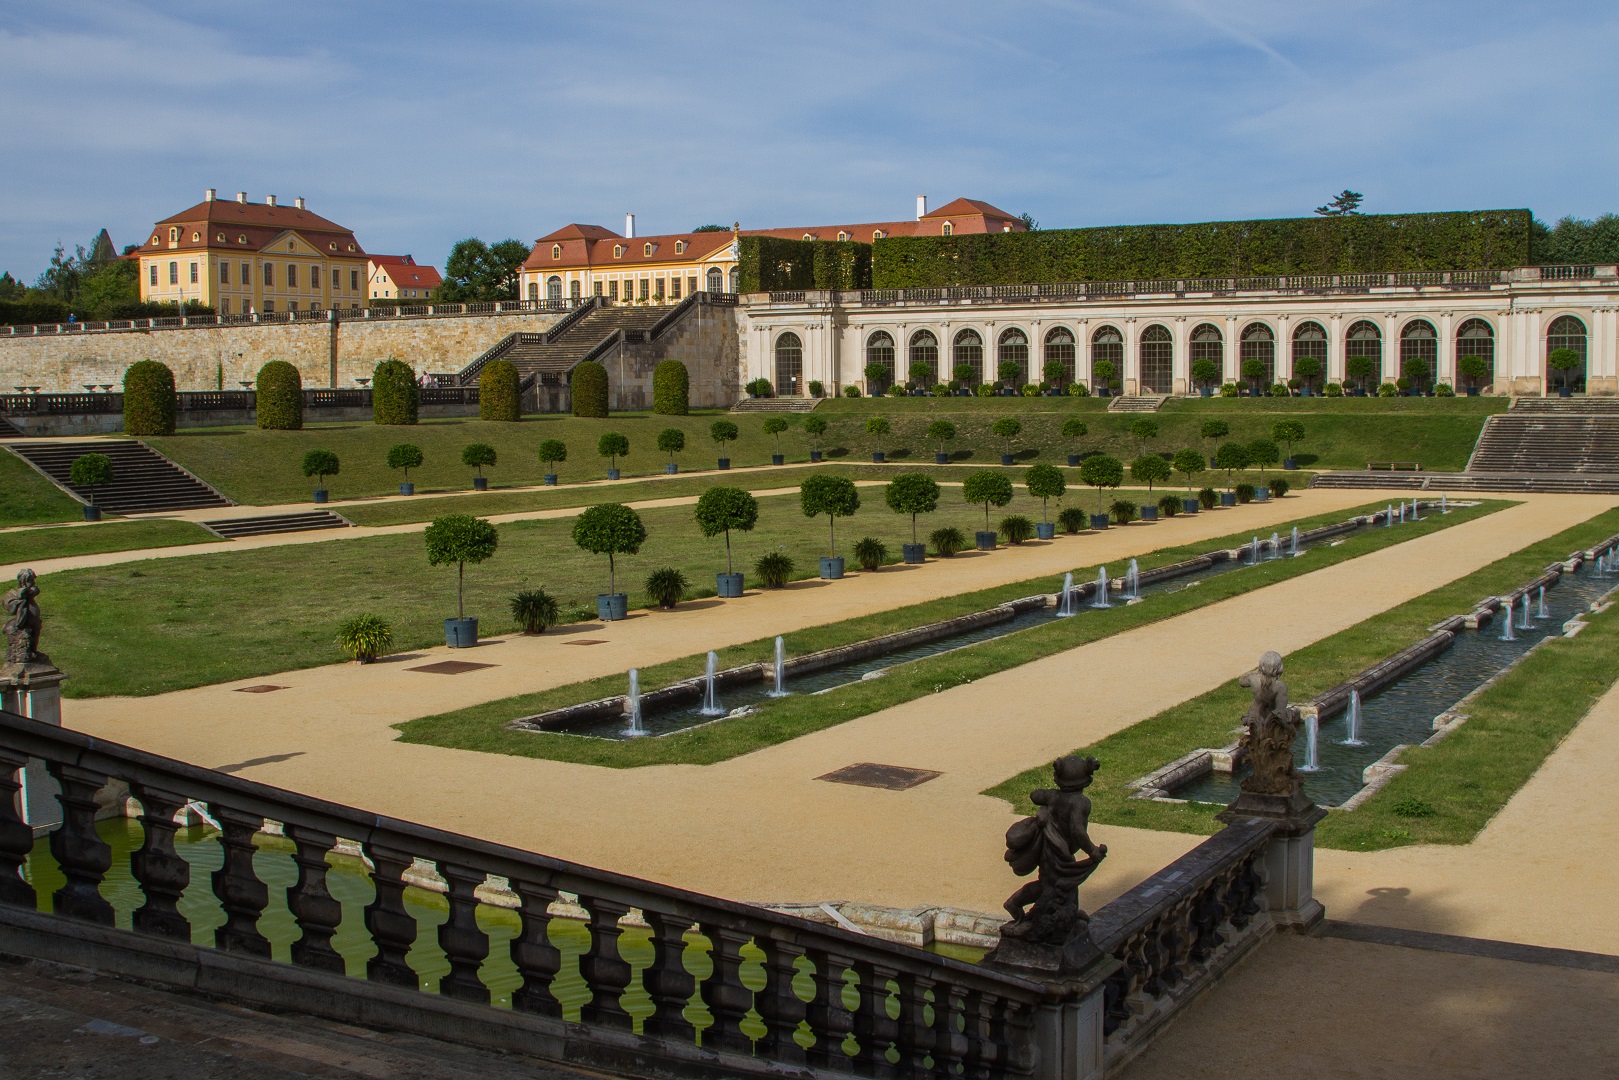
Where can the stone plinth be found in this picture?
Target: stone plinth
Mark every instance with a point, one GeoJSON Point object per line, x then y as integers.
{"type": "Point", "coordinates": [34, 690]}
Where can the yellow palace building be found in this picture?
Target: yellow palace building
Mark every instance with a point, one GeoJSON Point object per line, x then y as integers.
{"type": "Point", "coordinates": [240, 258]}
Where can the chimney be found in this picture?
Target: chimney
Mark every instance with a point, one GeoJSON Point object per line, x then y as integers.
{"type": "Point", "coordinates": [269, 200]}
{"type": "Point", "coordinates": [208, 196]}
{"type": "Point", "coordinates": [921, 207]}
{"type": "Point", "coordinates": [629, 226]}
{"type": "Point", "coordinates": [241, 197]}
{"type": "Point", "coordinates": [298, 202]}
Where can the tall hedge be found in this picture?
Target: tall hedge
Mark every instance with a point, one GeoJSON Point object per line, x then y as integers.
{"type": "Point", "coordinates": [24, 312]}
{"type": "Point", "coordinates": [1352, 244]}
{"type": "Point", "coordinates": [148, 399]}
{"type": "Point", "coordinates": [589, 389]}
{"type": "Point", "coordinates": [671, 389]}
{"type": "Point", "coordinates": [394, 394]}
{"type": "Point", "coordinates": [280, 397]}
{"type": "Point", "coordinates": [770, 263]}
{"type": "Point", "coordinates": [499, 392]}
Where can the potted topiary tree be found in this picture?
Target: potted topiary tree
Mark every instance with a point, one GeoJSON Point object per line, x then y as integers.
{"type": "Point", "coordinates": [406, 456]}
{"type": "Point", "coordinates": [774, 426]}
{"type": "Point", "coordinates": [320, 464]}
{"type": "Point", "coordinates": [612, 446]}
{"type": "Point", "coordinates": [1102, 472]}
{"type": "Point", "coordinates": [921, 372]}
{"type": "Point", "coordinates": [1189, 463]}
{"type": "Point", "coordinates": [1205, 374]}
{"type": "Point", "coordinates": [1149, 469]}
{"type": "Point", "coordinates": [477, 456]}
{"type": "Point", "coordinates": [941, 432]}
{"type": "Point", "coordinates": [815, 427]}
{"type": "Point", "coordinates": [1056, 373]}
{"type": "Point", "coordinates": [1215, 430]}
{"type": "Point", "coordinates": [1230, 457]}
{"type": "Point", "coordinates": [1253, 370]}
{"type": "Point", "coordinates": [1308, 369]}
{"type": "Point", "coordinates": [1416, 370]}
{"type": "Point", "coordinates": [91, 471]}
{"type": "Point", "coordinates": [991, 488]}
{"type": "Point", "coordinates": [722, 432]}
{"type": "Point", "coordinates": [1263, 452]}
{"type": "Point", "coordinates": [1009, 370]}
{"type": "Point", "coordinates": [460, 539]}
{"type": "Point", "coordinates": [1102, 373]}
{"type": "Point", "coordinates": [877, 427]}
{"type": "Point", "coordinates": [876, 379]}
{"type": "Point", "coordinates": [1476, 369]}
{"type": "Point", "coordinates": [610, 529]}
{"type": "Point", "coordinates": [1143, 429]}
{"type": "Point", "coordinates": [552, 451]}
{"type": "Point", "coordinates": [1564, 361]}
{"type": "Point", "coordinates": [671, 441]}
{"type": "Point", "coordinates": [1074, 429]}
{"type": "Point", "coordinates": [1361, 369]}
{"type": "Point", "coordinates": [1288, 432]}
{"type": "Point", "coordinates": [719, 510]}
{"type": "Point", "coordinates": [1045, 482]}
{"type": "Point", "coordinates": [964, 379]}
{"type": "Point", "coordinates": [913, 494]}
{"type": "Point", "coordinates": [1008, 429]}
{"type": "Point", "coordinates": [834, 496]}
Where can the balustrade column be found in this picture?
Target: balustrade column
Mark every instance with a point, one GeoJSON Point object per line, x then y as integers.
{"type": "Point", "coordinates": [537, 960]}
{"type": "Point", "coordinates": [780, 1006]}
{"type": "Point", "coordinates": [241, 893]}
{"type": "Point", "coordinates": [603, 968]}
{"type": "Point", "coordinates": [829, 1018]}
{"type": "Point", "coordinates": [950, 1044]}
{"type": "Point", "coordinates": [668, 982]}
{"type": "Point", "coordinates": [982, 1033]}
{"type": "Point", "coordinates": [16, 837]}
{"type": "Point", "coordinates": [464, 944]}
{"type": "Point", "coordinates": [1017, 1038]}
{"type": "Point", "coordinates": [916, 1037]}
{"type": "Point", "coordinates": [723, 992]}
{"type": "Point", "coordinates": [317, 912]}
{"type": "Point", "coordinates": [83, 856]}
{"type": "Point", "coordinates": [163, 875]}
{"type": "Point", "coordinates": [392, 927]}
{"type": "Point", "coordinates": [874, 1029]}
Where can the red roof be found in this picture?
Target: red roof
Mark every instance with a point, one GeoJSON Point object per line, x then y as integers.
{"type": "Point", "coordinates": [249, 227]}
{"type": "Point", "coordinates": [415, 277]}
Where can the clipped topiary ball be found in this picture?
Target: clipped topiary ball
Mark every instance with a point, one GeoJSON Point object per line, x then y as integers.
{"type": "Point", "coordinates": [589, 389]}
{"type": "Point", "coordinates": [280, 397]}
{"type": "Point", "coordinates": [148, 399]}
{"type": "Point", "coordinates": [671, 389]}
{"type": "Point", "coordinates": [394, 394]}
{"type": "Point", "coordinates": [499, 392]}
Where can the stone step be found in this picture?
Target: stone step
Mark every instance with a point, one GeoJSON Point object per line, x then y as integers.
{"type": "Point", "coordinates": [1137, 403]}
{"type": "Point", "coordinates": [143, 481]}
{"type": "Point", "coordinates": [781, 403]}
{"type": "Point", "coordinates": [307, 521]}
{"type": "Point", "coordinates": [1565, 483]}
{"type": "Point", "coordinates": [8, 430]}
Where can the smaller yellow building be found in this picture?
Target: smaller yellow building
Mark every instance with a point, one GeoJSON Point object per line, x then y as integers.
{"type": "Point", "coordinates": [397, 277]}
{"type": "Point", "coordinates": [240, 257]}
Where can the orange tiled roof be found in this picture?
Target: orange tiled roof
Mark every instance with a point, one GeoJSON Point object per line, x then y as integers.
{"type": "Point", "coordinates": [250, 227]}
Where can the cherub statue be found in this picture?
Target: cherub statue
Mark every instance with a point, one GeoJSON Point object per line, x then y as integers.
{"type": "Point", "coordinates": [22, 621]}
{"type": "Point", "coordinates": [1269, 726]}
{"type": "Point", "coordinates": [1048, 843]}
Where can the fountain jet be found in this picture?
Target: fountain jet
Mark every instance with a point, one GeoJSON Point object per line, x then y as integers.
{"type": "Point", "coordinates": [781, 670]}
{"type": "Point", "coordinates": [1100, 600]}
{"type": "Point", "coordinates": [711, 705]}
{"type": "Point", "coordinates": [1541, 612]}
{"type": "Point", "coordinates": [633, 707]}
{"type": "Point", "coordinates": [1132, 582]}
{"type": "Point", "coordinates": [1295, 549]}
{"type": "Point", "coordinates": [1352, 721]}
{"type": "Point", "coordinates": [1506, 623]}
{"type": "Point", "coordinates": [1524, 622]}
{"type": "Point", "coordinates": [1065, 603]}
{"type": "Point", "coordinates": [1312, 745]}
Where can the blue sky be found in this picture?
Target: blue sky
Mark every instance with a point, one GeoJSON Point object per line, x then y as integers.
{"type": "Point", "coordinates": [417, 124]}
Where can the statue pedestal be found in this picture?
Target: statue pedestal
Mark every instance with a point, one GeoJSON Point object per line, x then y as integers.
{"type": "Point", "coordinates": [34, 690]}
{"type": "Point", "coordinates": [1289, 857]}
{"type": "Point", "coordinates": [1068, 1035]}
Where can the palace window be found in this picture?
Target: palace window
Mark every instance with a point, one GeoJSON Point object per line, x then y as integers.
{"type": "Point", "coordinates": [573, 289]}
{"type": "Point", "coordinates": [618, 251]}
{"type": "Point", "coordinates": [556, 251]}
{"type": "Point", "coordinates": [553, 288]}
{"type": "Point", "coordinates": [242, 238]}
{"type": "Point", "coordinates": [789, 364]}
{"type": "Point", "coordinates": [354, 279]}
{"type": "Point", "coordinates": [1364, 340]}
{"type": "Point", "coordinates": [612, 289]}
{"type": "Point", "coordinates": [1310, 340]}
{"type": "Point", "coordinates": [292, 305]}
{"type": "Point", "coordinates": [269, 307]}
{"type": "Point", "coordinates": [193, 273]}
{"type": "Point", "coordinates": [646, 249]}
{"type": "Point", "coordinates": [680, 247]}
{"type": "Point", "coordinates": [174, 273]}
{"type": "Point", "coordinates": [292, 275]}
{"type": "Point", "coordinates": [691, 285]}
{"type": "Point", "coordinates": [174, 234]}
{"type": "Point", "coordinates": [674, 288]}
{"type": "Point", "coordinates": [657, 288]}
{"type": "Point", "coordinates": [1108, 344]}
{"type": "Point", "coordinates": [842, 235]}
{"type": "Point", "coordinates": [877, 234]}
{"type": "Point", "coordinates": [967, 354]}
{"type": "Point", "coordinates": [195, 236]}
{"type": "Point", "coordinates": [314, 277]}
{"type": "Point", "coordinates": [736, 279]}
{"type": "Point", "coordinates": [809, 236]}
{"type": "Point", "coordinates": [269, 276]}
{"type": "Point", "coordinates": [949, 229]}
{"type": "Point", "coordinates": [598, 287]}
{"type": "Point", "coordinates": [924, 354]}
{"type": "Point", "coordinates": [879, 354]}
{"type": "Point", "coordinates": [1419, 342]}
{"type": "Point", "coordinates": [716, 279]}
{"type": "Point", "coordinates": [534, 290]}
{"type": "Point", "coordinates": [219, 238]}
{"type": "Point", "coordinates": [1013, 348]}
{"type": "Point", "coordinates": [224, 306]}
{"type": "Point", "coordinates": [646, 288]}
{"type": "Point", "coordinates": [1258, 343]}
{"type": "Point", "coordinates": [1567, 332]}
{"type": "Point", "coordinates": [1157, 355]}
{"type": "Point", "coordinates": [1475, 338]}
{"type": "Point", "coordinates": [224, 273]}
{"type": "Point", "coordinates": [153, 268]}
{"type": "Point", "coordinates": [1060, 349]}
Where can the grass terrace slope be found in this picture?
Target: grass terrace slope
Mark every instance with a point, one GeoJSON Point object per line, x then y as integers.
{"type": "Point", "coordinates": [23, 545]}
{"type": "Point", "coordinates": [27, 498]}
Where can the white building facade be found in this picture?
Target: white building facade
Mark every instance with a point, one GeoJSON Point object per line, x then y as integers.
{"type": "Point", "coordinates": [1153, 332]}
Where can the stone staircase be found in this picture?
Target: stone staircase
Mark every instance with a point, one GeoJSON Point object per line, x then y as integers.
{"type": "Point", "coordinates": [784, 403]}
{"type": "Point", "coordinates": [1544, 441]}
{"type": "Point", "coordinates": [143, 481]}
{"type": "Point", "coordinates": [571, 340]}
{"type": "Point", "coordinates": [8, 430]}
{"type": "Point", "coordinates": [269, 524]}
{"type": "Point", "coordinates": [1570, 406]}
{"type": "Point", "coordinates": [1564, 484]}
{"type": "Point", "coordinates": [1137, 403]}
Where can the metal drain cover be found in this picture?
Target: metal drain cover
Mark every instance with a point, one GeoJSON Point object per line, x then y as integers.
{"type": "Point", "coordinates": [887, 777]}
{"type": "Point", "coordinates": [586, 641]}
{"type": "Point", "coordinates": [450, 667]}
{"type": "Point", "coordinates": [261, 688]}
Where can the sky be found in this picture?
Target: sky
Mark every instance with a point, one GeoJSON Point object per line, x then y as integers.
{"type": "Point", "coordinates": [418, 124]}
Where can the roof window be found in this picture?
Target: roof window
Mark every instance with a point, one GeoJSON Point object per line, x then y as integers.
{"type": "Point", "coordinates": [646, 249]}
{"type": "Point", "coordinates": [332, 246]}
{"type": "Point", "coordinates": [618, 251]}
{"type": "Point", "coordinates": [241, 238]}
{"type": "Point", "coordinates": [680, 246]}
{"type": "Point", "coordinates": [556, 251]}
{"type": "Point", "coordinates": [842, 235]}
{"type": "Point", "coordinates": [219, 237]}
{"type": "Point", "coordinates": [809, 236]}
{"type": "Point", "coordinates": [195, 236]}
{"type": "Point", "coordinates": [949, 229]}
{"type": "Point", "coordinates": [877, 234]}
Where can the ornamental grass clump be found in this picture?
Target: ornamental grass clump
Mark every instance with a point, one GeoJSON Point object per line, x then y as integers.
{"type": "Point", "coordinates": [1072, 519]}
{"type": "Point", "coordinates": [870, 553]}
{"type": "Point", "coordinates": [279, 397]}
{"type": "Point", "coordinates": [1123, 511]}
{"type": "Point", "coordinates": [534, 610]}
{"type": "Point", "coordinates": [666, 587]}
{"type": "Point", "coordinates": [1016, 528]}
{"type": "Point", "coordinates": [363, 638]}
{"type": "Point", "coordinates": [149, 399]}
{"type": "Point", "coordinates": [1169, 505]}
{"type": "Point", "coordinates": [1207, 498]}
{"type": "Point", "coordinates": [947, 541]}
{"type": "Point", "coordinates": [1278, 487]}
{"type": "Point", "coordinates": [773, 569]}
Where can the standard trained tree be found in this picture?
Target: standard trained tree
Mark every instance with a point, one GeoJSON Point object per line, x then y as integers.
{"type": "Point", "coordinates": [1074, 429]}
{"type": "Point", "coordinates": [405, 456]}
{"type": "Point", "coordinates": [1189, 463]}
{"type": "Point", "coordinates": [1143, 429]}
{"type": "Point", "coordinates": [1263, 452]}
{"type": "Point", "coordinates": [941, 432]}
{"type": "Point", "coordinates": [774, 426]}
{"type": "Point", "coordinates": [1045, 482]}
{"type": "Point", "coordinates": [1102, 471]}
{"type": "Point", "coordinates": [1563, 361]}
{"type": "Point", "coordinates": [612, 446]}
{"type": "Point", "coordinates": [1007, 428]}
{"type": "Point", "coordinates": [671, 441]}
{"type": "Point", "coordinates": [988, 487]}
{"type": "Point", "coordinates": [477, 455]}
{"type": "Point", "coordinates": [610, 529]}
{"type": "Point", "coordinates": [913, 494]}
{"type": "Point", "coordinates": [92, 471]}
{"type": "Point", "coordinates": [722, 432]}
{"type": "Point", "coordinates": [1231, 457]}
{"type": "Point", "coordinates": [834, 496]}
{"type": "Point", "coordinates": [460, 539]}
{"type": "Point", "coordinates": [721, 509]}
{"type": "Point", "coordinates": [320, 464]}
{"type": "Point", "coordinates": [1149, 469]}
{"type": "Point", "coordinates": [815, 427]}
{"type": "Point", "coordinates": [1287, 432]}
{"type": "Point", "coordinates": [551, 452]}
{"type": "Point", "coordinates": [877, 427]}
{"type": "Point", "coordinates": [1216, 430]}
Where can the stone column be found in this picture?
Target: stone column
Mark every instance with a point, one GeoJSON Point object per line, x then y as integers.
{"type": "Point", "coordinates": [1181, 366]}
{"type": "Point", "coordinates": [1068, 1034]}
{"type": "Point", "coordinates": [1290, 876]}
{"type": "Point", "coordinates": [1335, 349]}
{"type": "Point", "coordinates": [1130, 366]}
{"type": "Point", "coordinates": [34, 690]}
{"type": "Point", "coordinates": [1444, 368]}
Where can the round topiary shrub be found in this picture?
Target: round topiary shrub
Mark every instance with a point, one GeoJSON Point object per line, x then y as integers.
{"type": "Point", "coordinates": [671, 389]}
{"type": "Point", "coordinates": [148, 399]}
{"type": "Point", "coordinates": [499, 392]}
{"type": "Point", "coordinates": [280, 397]}
{"type": "Point", "coordinates": [394, 394]}
{"type": "Point", "coordinates": [589, 389]}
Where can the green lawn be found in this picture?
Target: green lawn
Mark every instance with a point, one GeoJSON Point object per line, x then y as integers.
{"type": "Point", "coordinates": [27, 498]}
{"type": "Point", "coordinates": [483, 727]}
{"type": "Point", "coordinates": [1207, 720]}
{"type": "Point", "coordinates": [262, 467]}
{"type": "Point", "coordinates": [54, 543]}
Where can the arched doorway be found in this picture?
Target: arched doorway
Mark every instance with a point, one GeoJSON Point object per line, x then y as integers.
{"type": "Point", "coordinates": [716, 280]}
{"type": "Point", "coordinates": [1059, 350]}
{"type": "Point", "coordinates": [1566, 332]}
{"type": "Point", "coordinates": [924, 364]}
{"type": "Point", "coordinates": [736, 279]}
{"type": "Point", "coordinates": [1157, 355]}
{"type": "Point", "coordinates": [1476, 338]}
{"type": "Point", "coordinates": [1309, 352]}
{"type": "Point", "coordinates": [1363, 355]}
{"type": "Point", "coordinates": [1257, 352]}
{"type": "Point", "coordinates": [879, 362]}
{"type": "Point", "coordinates": [1107, 347]}
{"type": "Point", "coordinates": [1419, 354]}
{"type": "Point", "coordinates": [967, 359]}
{"type": "Point", "coordinates": [789, 365]}
{"type": "Point", "coordinates": [1013, 348]}
{"type": "Point", "coordinates": [534, 290]}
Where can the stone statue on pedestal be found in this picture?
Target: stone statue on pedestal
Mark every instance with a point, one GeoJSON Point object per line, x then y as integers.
{"type": "Point", "coordinates": [23, 623]}
{"type": "Point", "coordinates": [1049, 930]}
{"type": "Point", "coordinates": [1272, 787]}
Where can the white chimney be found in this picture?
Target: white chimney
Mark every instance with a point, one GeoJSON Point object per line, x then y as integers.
{"type": "Point", "coordinates": [269, 200]}
{"type": "Point", "coordinates": [208, 196]}
{"type": "Point", "coordinates": [241, 197]}
{"type": "Point", "coordinates": [298, 202]}
{"type": "Point", "coordinates": [921, 207]}
{"type": "Point", "coordinates": [629, 226]}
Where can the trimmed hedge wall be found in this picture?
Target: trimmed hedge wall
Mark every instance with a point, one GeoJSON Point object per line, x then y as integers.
{"type": "Point", "coordinates": [499, 390]}
{"type": "Point", "coordinates": [394, 394]}
{"type": "Point", "coordinates": [768, 263]}
{"type": "Point", "coordinates": [1353, 244]}
{"type": "Point", "coordinates": [24, 312]}
{"type": "Point", "coordinates": [280, 397]}
{"type": "Point", "coordinates": [589, 389]}
{"type": "Point", "coordinates": [671, 389]}
{"type": "Point", "coordinates": [148, 399]}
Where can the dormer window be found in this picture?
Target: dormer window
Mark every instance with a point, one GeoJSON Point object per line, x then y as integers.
{"type": "Point", "coordinates": [174, 234]}
{"type": "Point", "coordinates": [556, 251]}
{"type": "Point", "coordinates": [195, 236]}
{"type": "Point", "coordinates": [332, 246]}
{"type": "Point", "coordinates": [618, 251]}
{"type": "Point", "coordinates": [241, 238]}
{"type": "Point", "coordinates": [646, 249]}
{"type": "Point", "coordinates": [877, 234]}
{"type": "Point", "coordinates": [154, 240]}
{"type": "Point", "coordinates": [219, 238]}
{"type": "Point", "coordinates": [351, 247]}
{"type": "Point", "coordinates": [809, 236]}
{"type": "Point", "coordinates": [680, 246]}
{"type": "Point", "coordinates": [949, 229]}
{"type": "Point", "coordinates": [842, 235]}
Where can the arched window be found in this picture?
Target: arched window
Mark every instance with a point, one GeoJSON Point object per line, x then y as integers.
{"type": "Point", "coordinates": [948, 229]}
{"type": "Point", "coordinates": [736, 280]}
{"type": "Point", "coordinates": [1419, 342]}
{"type": "Point", "coordinates": [1364, 340]}
{"type": "Point", "coordinates": [1107, 345]}
{"type": "Point", "coordinates": [553, 288]}
{"type": "Point", "coordinates": [1566, 332]}
{"type": "Point", "coordinates": [1310, 342]}
{"type": "Point", "coordinates": [556, 251]}
{"type": "Point", "coordinates": [879, 354]}
{"type": "Point", "coordinates": [1059, 350]}
{"type": "Point", "coordinates": [534, 290]}
{"type": "Point", "coordinates": [924, 354]}
{"type": "Point", "coordinates": [1157, 355]}
{"type": "Point", "coordinates": [573, 289]}
{"type": "Point", "coordinates": [1475, 338]}
{"type": "Point", "coordinates": [716, 280]}
{"type": "Point", "coordinates": [1207, 343]}
{"type": "Point", "coordinates": [1258, 343]}
{"type": "Point", "coordinates": [789, 365]}
{"type": "Point", "coordinates": [967, 358]}
{"type": "Point", "coordinates": [1013, 348]}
